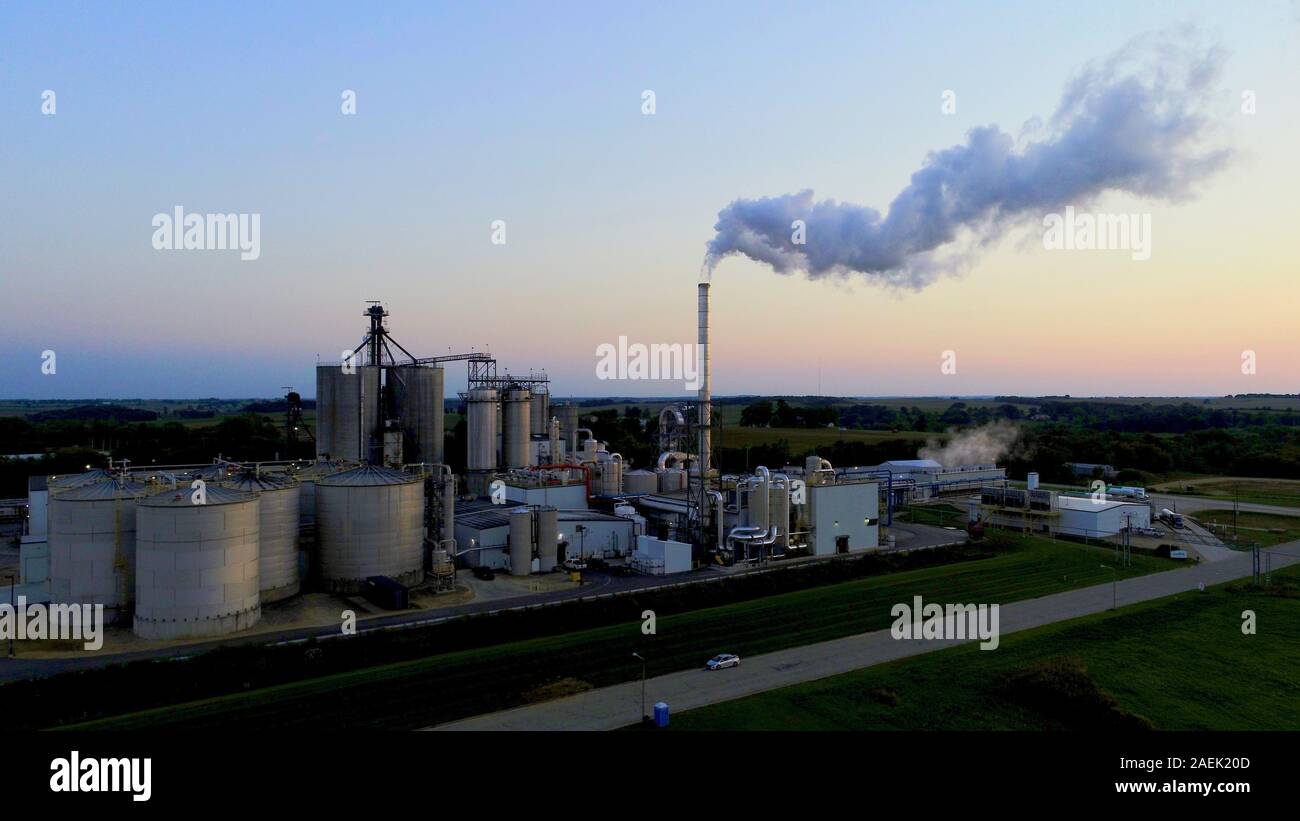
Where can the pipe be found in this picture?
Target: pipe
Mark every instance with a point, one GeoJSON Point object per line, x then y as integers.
{"type": "Point", "coordinates": [586, 472]}
{"type": "Point", "coordinates": [705, 450]}
{"type": "Point", "coordinates": [718, 503]}
{"type": "Point", "coordinates": [674, 455]}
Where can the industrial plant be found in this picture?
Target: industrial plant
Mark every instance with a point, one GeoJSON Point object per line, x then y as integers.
{"type": "Point", "coordinates": [195, 551]}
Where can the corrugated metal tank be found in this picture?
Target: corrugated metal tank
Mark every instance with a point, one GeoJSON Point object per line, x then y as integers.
{"type": "Point", "coordinates": [517, 407]}
{"type": "Point", "coordinates": [92, 545]}
{"type": "Point", "coordinates": [540, 415]}
{"type": "Point", "coordinates": [640, 481]}
{"type": "Point", "coordinates": [197, 565]}
{"type": "Point", "coordinates": [548, 539]}
{"type": "Point", "coordinates": [58, 484]}
{"type": "Point", "coordinates": [481, 429]}
{"type": "Point", "coordinates": [278, 527]}
{"type": "Point", "coordinates": [369, 522]}
{"type": "Point", "coordinates": [521, 541]}
{"type": "Point", "coordinates": [418, 395]}
{"type": "Point", "coordinates": [346, 406]}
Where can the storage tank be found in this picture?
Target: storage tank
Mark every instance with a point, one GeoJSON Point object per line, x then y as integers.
{"type": "Point", "coordinates": [521, 541]}
{"type": "Point", "coordinates": [548, 539]}
{"type": "Point", "coordinates": [671, 479]}
{"type": "Point", "coordinates": [610, 473]}
{"type": "Point", "coordinates": [481, 429]}
{"type": "Point", "coordinates": [540, 414]}
{"type": "Point", "coordinates": [347, 405]}
{"type": "Point", "coordinates": [779, 504]}
{"type": "Point", "coordinates": [517, 408]}
{"type": "Point", "coordinates": [92, 545]}
{"type": "Point", "coordinates": [197, 565]}
{"type": "Point", "coordinates": [278, 528]}
{"type": "Point", "coordinates": [417, 397]}
{"type": "Point", "coordinates": [640, 481]}
{"type": "Point", "coordinates": [568, 414]}
{"type": "Point", "coordinates": [58, 484]}
{"type": "Point", "coordinates": [369, 522]}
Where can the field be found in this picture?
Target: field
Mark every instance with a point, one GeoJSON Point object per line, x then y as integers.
{"type": "Point", "coordinates": [803, 438]}
{"type": "Point", "coordinates": [453, 685]}
{"type": "Point", "coordinates": [1284, 492]}
{"type": "Point", "coordinates": [1178, 663]}
{"type": "Point", "coordinates": [1265, 528]}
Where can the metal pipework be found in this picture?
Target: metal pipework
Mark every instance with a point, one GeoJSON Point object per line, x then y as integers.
{"type": "Point", "coordinates": [674, 456]}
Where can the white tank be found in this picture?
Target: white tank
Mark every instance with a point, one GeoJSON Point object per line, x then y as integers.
{"type": "Point", "coordinates": [640, 481]}
{"type": "Point", "coordinates": [569, 425]}
{"type": "Point", "coordinates": [521, 541]}
{"type": "Point", "coordinates": [92, 545]}
{"type": "Point", "coordinates": [1032, 482]}
{"type": "Point", "coordinates": [611, 474]}
{"type": "Point", "coordinates": [517, 407]}
{"type": "Point", "coordinates": [369, 522]}
{"type": "Point", "coordinates": [481, 429]}
{"type": "Point", "coordinates": [756, 505]}
{"type": "Point", "coordinates": [548, 539]}
{"type": "Point", "coordinates": [58, 484]}
{"type": "Point", "coordinates": [197, 564]}
{"type": "Point", "coordinates": [779, 505]}
{"type": "Point", "coordinates": [278, 527]}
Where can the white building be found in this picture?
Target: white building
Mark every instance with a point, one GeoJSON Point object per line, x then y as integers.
{"type": "Point", "coordinates": [1084, 516]}
{"type": "Point", "coordinates": [484, 529]}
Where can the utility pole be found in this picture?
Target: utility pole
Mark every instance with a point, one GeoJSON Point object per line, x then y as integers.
{"type": "Point", "coordinates": [642, 660]}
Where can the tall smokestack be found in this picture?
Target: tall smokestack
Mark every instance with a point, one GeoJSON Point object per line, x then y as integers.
{"type": "Point", "coordinates": [706, 392]}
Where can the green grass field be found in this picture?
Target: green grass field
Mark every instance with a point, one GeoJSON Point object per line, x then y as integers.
{"type": "Point", "coordinates": [454, 685]}
{"type": "Point", "coordinates": [1180, 663]}
{"type": "Point", "coordinates": [1265, 528]}
{"type": "Point", "coordinates": [1285, 492]}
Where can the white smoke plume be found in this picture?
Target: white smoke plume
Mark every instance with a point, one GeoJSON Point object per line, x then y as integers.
{"type": "Point", "coordinates": [984, 445]}
{"type": "Point", "coordinates": [1133, 123]}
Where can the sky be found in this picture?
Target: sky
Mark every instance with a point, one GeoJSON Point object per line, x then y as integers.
{"type": "Point", "coordinates": [533, 114]}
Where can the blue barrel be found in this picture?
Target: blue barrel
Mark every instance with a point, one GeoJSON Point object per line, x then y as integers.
{"type": "Point", "coordinates": [661, 714]}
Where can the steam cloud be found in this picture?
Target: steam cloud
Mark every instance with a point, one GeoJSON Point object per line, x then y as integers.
{"type": "Point", "coordinates": [984, 445]}
{"type": "Point", "coordinates": [1132, 123]}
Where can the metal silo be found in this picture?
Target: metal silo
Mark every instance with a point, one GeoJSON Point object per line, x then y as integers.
{"type": "Point", "coordinates": [540, 415]}
{"type": "Point", "coordinates": [481, 429]}
{"type": "Point", "coordinates": [278, 528]}
{"type": "Point", "coordinates": [369, 522]}
{"type": "Point", "coordinates": [568, 413]}
{"type": "Point", "coordinates": [92, 545]}
{"type": "Point", "coordinates": [517, 405]}
{"type": "Point", "coordinates": [347, 407]}
{"type": "Point", "coordinates": [671, 479]}
{"type": "Point", "coordinates": [197, 564]}
{"type": "Point", "coordinates": [58, 484]}
{"type": "Point", "coordinates": [417, 395]}
{"type": "Point", "coordinates": [521, 541]}
{"type": "Point", "coordinates": [548, 538]}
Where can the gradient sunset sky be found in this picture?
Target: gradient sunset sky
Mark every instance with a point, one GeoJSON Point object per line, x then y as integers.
{"type": "Point", "coordinates": [531, 113]}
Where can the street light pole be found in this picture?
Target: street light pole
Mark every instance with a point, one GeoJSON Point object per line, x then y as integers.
{"type": "Point", "coordinates": [642, 660]}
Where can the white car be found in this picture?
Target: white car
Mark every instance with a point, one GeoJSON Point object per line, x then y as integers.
{"type": "Point", "coordinates": [724, 660]}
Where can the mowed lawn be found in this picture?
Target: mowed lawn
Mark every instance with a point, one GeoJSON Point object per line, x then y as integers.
{"type": "Point", "coordinates": [455, 685]}
{"type": "Point", "coordinates": [1180, 662]}
{"type": "Point", "coordinates": [1284, 492]}
{"type": "Point", "coordinates": [1265, 528]}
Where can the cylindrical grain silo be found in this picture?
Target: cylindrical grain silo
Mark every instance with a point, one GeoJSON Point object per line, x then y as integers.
{"type": "Point", "coordinates": [481, 430]}
{"type": "Point", "coordinates": [540, 414]}
{"type": "Point", "coordinates": [369, 522]}
{"type": "Point", "coordinates": [278, 527]}
{"type": "Point", "coordinates": [517, 409]}
{"type": "Point", "coordinates": [347, 407]}
{"type": "Point", "coordinates": [92, 545]}
{"type": "Point", "coordinates": [197, 564]}
{"type": "Point", "coordinates": [548, 538]}
{"type": "Point", "coordinates": [521, 541]}
{"type": "Point", "coordinates": [417, 396]}
{"type": "Point", "coordinates": [640, 481]}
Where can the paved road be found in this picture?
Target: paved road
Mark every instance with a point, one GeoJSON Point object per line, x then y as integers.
{"type": "Point", "coordinates": [617, 706]}
{"type": "Point", "coordinates": [596, 585]}
{"type": "Point", "coordinates": [1191, 504]}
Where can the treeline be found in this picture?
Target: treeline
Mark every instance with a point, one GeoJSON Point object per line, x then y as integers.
{"type": "Point", "coordinates": [784, 415]}
{"type": "Point", "coordinates": [120, 413]}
